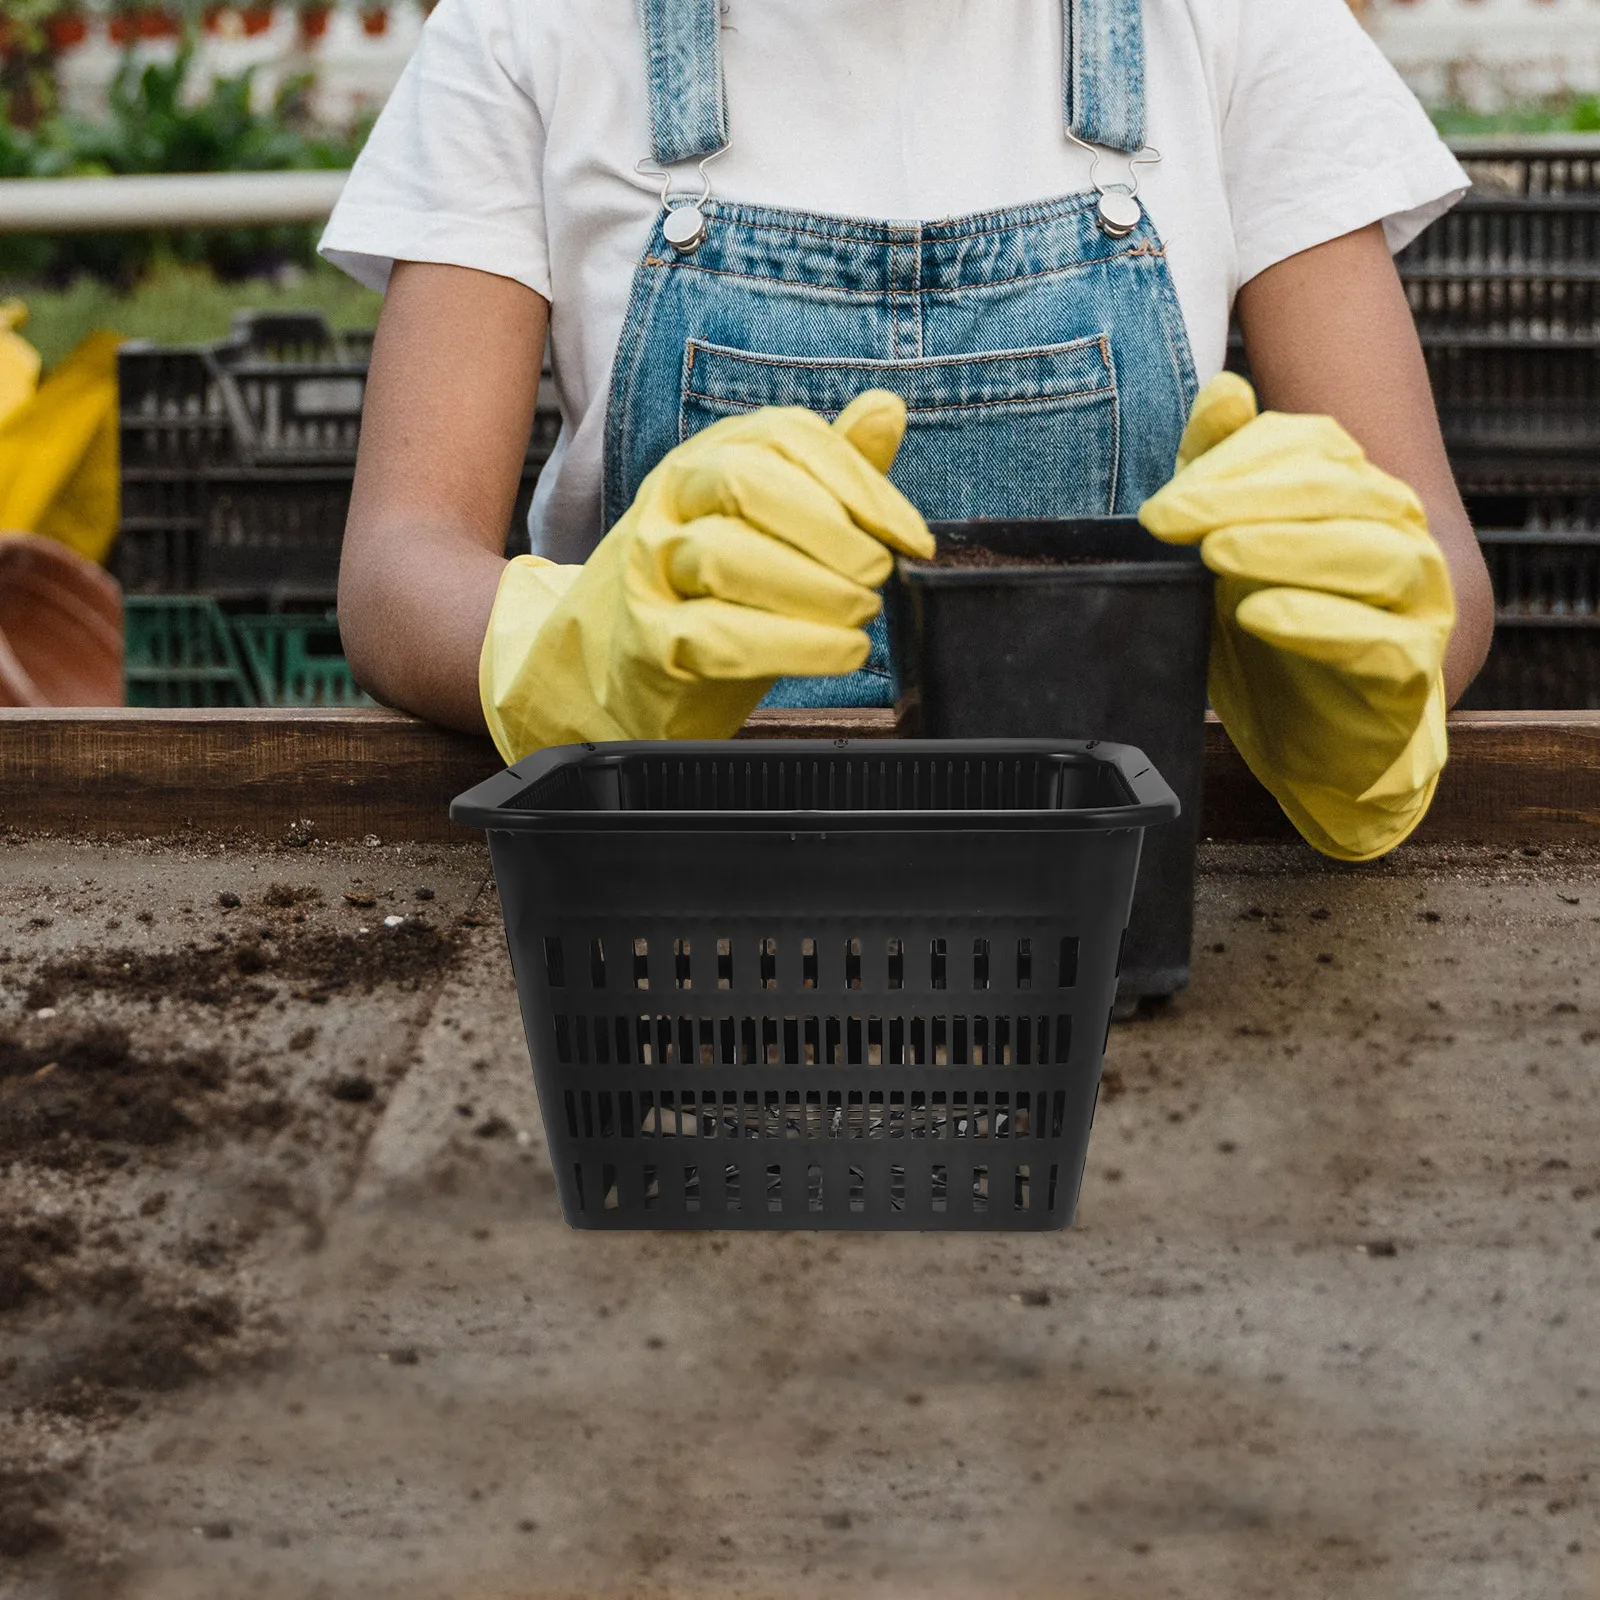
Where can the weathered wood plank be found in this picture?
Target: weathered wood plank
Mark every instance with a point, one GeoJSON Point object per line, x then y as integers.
{"type": "Point", "coordinates": [1514, 776]}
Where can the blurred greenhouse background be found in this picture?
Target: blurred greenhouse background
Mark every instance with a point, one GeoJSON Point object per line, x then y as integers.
{"type": "Point", "coordinates": [166, 86]}
{"type": "Point", "coordinates": [205, 442]}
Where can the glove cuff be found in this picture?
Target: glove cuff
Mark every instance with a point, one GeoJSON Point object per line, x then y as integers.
{"type": "Point", "coordinates": [530, 589]}
{"type": "Point", "coordinates": [1346, 831]}
{"type": "Point", "coordinates": [1364, 827]}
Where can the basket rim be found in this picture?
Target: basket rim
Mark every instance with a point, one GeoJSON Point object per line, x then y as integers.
{"type": "Point", "coordinates": [1150, 802]}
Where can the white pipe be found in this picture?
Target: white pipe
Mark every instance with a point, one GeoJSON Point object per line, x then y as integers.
{"type": "Point", "coordinates": [252, 199]}
{"type": "Point", "coordinates": [198, 200]}
{"type": "Point", "coordinates": [1476, 146]}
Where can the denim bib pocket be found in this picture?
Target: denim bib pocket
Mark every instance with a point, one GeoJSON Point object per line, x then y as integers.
{"type": "Point", "coordinates": [1015, 433]}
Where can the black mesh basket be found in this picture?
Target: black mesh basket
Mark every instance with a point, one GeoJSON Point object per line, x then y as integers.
{"type": "Point", "coordinates": [791, 985]}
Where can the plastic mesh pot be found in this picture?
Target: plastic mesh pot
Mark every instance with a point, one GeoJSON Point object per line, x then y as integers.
{"type": "Point", "coordinates": [784, 985]}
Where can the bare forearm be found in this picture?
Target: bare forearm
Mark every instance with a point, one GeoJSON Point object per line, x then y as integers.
{"type": "Point", "coordinates": [1329, 332]}
{"type": "Point", "coordinates": [1469, 644]}
{"type": "Point", "coordinates": [450, 397]}
{"type": "Point", "coordinates": [414, 624]}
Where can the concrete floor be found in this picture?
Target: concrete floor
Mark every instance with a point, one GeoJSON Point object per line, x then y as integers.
{"type": "Point", "coordinates": [1325, 1327]}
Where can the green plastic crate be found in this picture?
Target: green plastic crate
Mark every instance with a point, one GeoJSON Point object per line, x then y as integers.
{"type": "Point", "coordinates": [185, 650]}
{"type": "Point", "coordinates": [180, 651]}
{"type": "Point", "coordinates": [297, 660]}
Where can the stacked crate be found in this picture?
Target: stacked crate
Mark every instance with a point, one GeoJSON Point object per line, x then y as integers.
{"type": "Point", "coordinates": [1506, 293]}
{"type": "Point", "coordinates": [1505, 289]}
{"type": "Point", "coordinates": [238, 460]}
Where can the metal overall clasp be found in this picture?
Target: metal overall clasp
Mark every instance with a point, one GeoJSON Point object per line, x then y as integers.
{"type": "Point", "coordinates": [1119, 208]}
{"type": "Point", "coordinates": [685, 227]}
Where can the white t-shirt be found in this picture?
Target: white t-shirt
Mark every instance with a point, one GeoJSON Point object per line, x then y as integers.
{"type": "Point", "coordinates": [511, 141]}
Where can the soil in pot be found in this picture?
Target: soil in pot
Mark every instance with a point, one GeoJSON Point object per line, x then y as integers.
{"type": "Point", "coordinates": [982, 556]}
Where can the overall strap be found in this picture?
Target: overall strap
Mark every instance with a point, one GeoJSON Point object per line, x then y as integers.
{"type": "Point", "coordinates": [688, 97]}
{"type": "Point", "coordinates": [1104, 72]}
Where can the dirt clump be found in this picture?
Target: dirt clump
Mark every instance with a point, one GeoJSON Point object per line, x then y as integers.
{"type": "Point", "coordinates": [25, 1248]}
{"type": "Point", "coordinates": [25, 1501]}
{"type": "Point", "coordinates": [216, 975]}
{"type": "Point", "coordinates": [152, 1346]}
{"type": "Point", "coordinates": [318, 964]}
{"type": "Point", "coordinates": [287, 896]}
{"type": "Point", "coordinates": [77, 1097]}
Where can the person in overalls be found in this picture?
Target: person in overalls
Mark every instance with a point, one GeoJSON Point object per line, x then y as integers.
{"type": "Point", "coordinates": [815, 270]}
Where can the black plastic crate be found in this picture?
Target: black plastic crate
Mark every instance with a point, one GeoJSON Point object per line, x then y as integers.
{"type": "Point", "coordinates": [1541, 166]}
{"type": "Point", "coordinates": [1520, 255]}
{"type": "Point", "coordinates": [1545, 512]}
{"type": "Point", "coordinates": [1521, 417]}
{"type": "Point", "coordinates": [1546, 576]}
{"type": "Point", "coordinates": [1498, 393]}
{"type": "Point", "coordinates": [1507, 269]}
{"type": "Point", "coordinates": [791, 985]}
{"type": "Point", "coordinates": [238, 460]}
{"type": "Point", "coordinates": [1540, 664]}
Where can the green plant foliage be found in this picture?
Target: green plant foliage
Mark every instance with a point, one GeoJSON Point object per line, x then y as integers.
{"type": "Point", "coordinates": [155, 127]}
{"type": "Point", "coordinates": [156, 123]}
{"type": "Point", "coordinates": [183, 304]}
{"type": "Point", "coordinates": [1560, 114]}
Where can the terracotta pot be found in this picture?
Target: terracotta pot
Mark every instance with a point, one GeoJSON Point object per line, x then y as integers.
{"type": "Point", "coordinates": [375, 23]}
{"type": "Point", "coordinates": [60, 627]}
{"type": "Point", "coordinates": [67, 33]}
{"type": "Point", "coordinates": [257, 20]}
{"type": "Point", "coordinates": [123, 29]}
{"type": "Point", "coordinates": [314, 23]}
{"type": "Point", "coordinates": [156, 24]}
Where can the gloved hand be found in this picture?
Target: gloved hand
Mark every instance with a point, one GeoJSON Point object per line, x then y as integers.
{"type": "Point", "coordinates": [1333, 611]}
{"type": "Point", "coordinates": [752, 552]}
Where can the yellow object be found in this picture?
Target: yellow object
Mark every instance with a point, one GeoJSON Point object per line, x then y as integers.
{"type": "Point", "coordinates": [1333, 611]}
{"type": "Point", "coordinates": [751, 553]}
{"type": "Point", "coordinates": [19, 361]}
{"type": "Point", "coordinates": [58, 454]}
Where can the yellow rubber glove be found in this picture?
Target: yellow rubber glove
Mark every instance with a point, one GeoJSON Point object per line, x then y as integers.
{"type": "Point", "coordinates": [59, 456]}
{"type": "Point", "coordinates": [1333, 611]}
{"type": "Point", "coordinates": [19, 361]}
{"type": "Point", "coordinates": [753, 552]}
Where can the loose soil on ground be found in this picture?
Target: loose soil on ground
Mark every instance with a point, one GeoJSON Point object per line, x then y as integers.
{"type": "Point", "coordinates": [287, 1307]}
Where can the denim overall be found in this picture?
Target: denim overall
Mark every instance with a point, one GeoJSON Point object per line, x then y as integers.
{"type": "Point", "coordinates": [1041, 352]}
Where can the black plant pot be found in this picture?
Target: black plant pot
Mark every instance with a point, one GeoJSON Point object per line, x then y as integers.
{"type": "Point", "coordinates": [1110, 644]}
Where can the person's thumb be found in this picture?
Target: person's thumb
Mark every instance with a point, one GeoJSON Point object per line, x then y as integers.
{"type": "Point", "coordinates": [875, 423]}
{"type": "Point", "coordinates": [1221, 409]}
